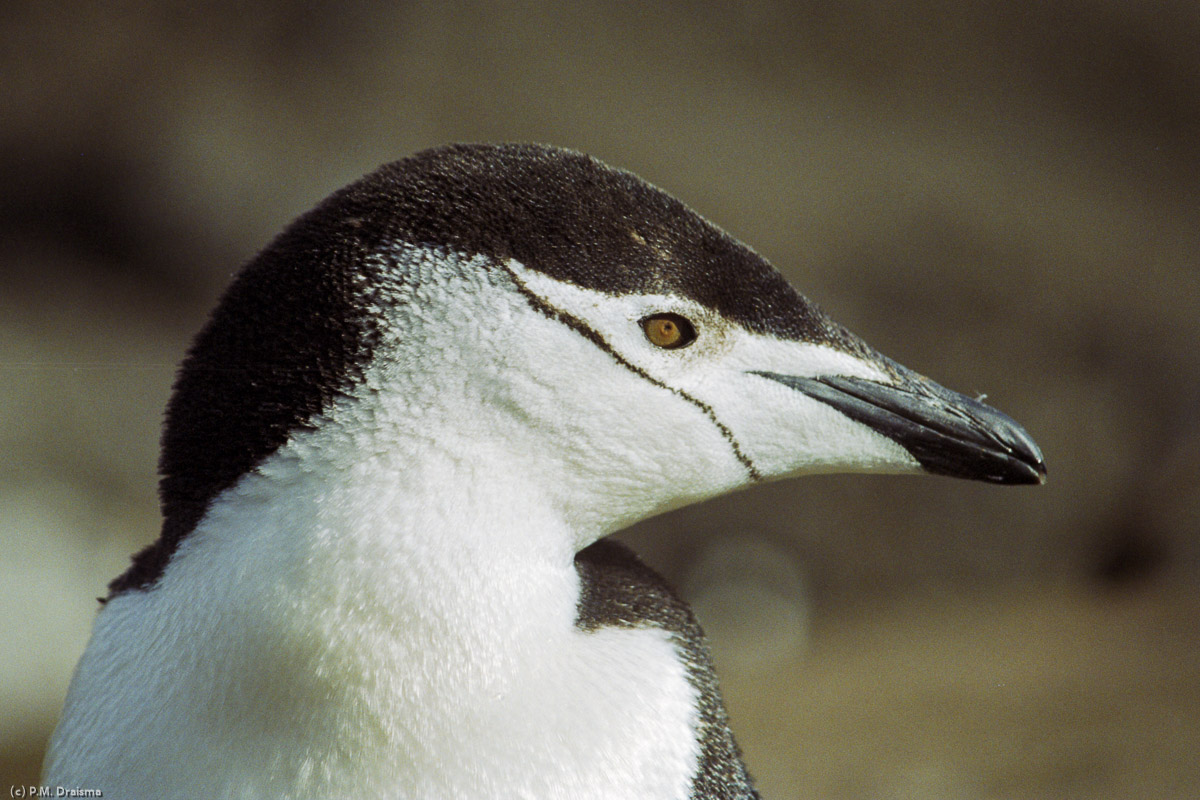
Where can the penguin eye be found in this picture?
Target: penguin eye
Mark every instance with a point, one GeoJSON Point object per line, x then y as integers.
{"type": "Point", "coordinates": [669, 331]}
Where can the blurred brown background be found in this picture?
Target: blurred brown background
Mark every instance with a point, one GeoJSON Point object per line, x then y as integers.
{"type": "Point", "coordinates": [1003, 196]}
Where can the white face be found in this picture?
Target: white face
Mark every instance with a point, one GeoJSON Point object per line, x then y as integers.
{"type": "Point", "coordinates": [771, 431]}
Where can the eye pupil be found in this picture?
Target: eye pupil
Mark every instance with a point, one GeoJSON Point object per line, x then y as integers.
{"type": "Point", "coordinates": [669, 331]}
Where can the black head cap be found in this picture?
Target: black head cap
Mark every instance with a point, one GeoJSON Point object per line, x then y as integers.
{"type": "Point", "coordinates": [576, 219]}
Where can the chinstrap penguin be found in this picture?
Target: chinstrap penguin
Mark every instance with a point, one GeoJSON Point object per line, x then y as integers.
{"type": "Point", "coordinates": [389, 464]}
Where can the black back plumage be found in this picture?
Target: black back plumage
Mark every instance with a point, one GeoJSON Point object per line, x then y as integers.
{"type": "Point", "coordinates": [619, 590]}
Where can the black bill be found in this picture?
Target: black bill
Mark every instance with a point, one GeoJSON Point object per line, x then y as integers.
{"type": "Point", "coordinates": [946, 432]}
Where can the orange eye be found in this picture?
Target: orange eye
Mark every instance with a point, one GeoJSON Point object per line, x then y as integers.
{"type": "Point", "coordinates": [669, 331]}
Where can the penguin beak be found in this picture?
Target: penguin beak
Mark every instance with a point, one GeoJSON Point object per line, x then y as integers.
{"type": "Point", "coordinates": [946, 432]}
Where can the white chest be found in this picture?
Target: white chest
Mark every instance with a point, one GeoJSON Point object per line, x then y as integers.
{"type": "Point", "coordinates": [608, 714]}
{"type": "Point", "coordinates": [362, 667]}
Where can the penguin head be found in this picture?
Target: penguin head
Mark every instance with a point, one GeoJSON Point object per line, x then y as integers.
{"type": "Point", "coordinates": [529, 310]}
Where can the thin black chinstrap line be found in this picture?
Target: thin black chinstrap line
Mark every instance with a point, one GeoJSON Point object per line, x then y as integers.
{"type": "Point", "coordinates": [582, 328]}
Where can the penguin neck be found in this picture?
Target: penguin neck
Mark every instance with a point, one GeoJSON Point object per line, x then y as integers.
{"type": "Point", "coordinates": [421, 620]}
{"type": "Point", "coordinates": [405, 545]}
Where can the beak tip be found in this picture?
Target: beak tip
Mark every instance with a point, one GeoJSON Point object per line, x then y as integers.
{"type": "Point", "coordinates": [1028, 457]}
{"type": "Point", "coordinates": [1034, 474]}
